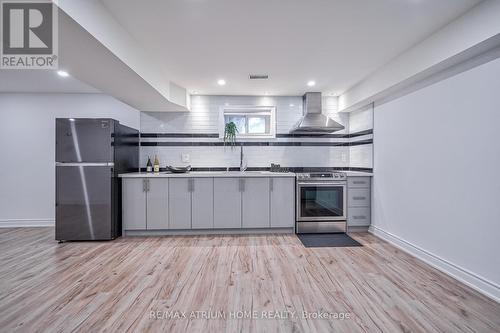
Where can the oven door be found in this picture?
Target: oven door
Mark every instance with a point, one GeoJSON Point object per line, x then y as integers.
{"type": "Point", "coordinates": [321, 201]}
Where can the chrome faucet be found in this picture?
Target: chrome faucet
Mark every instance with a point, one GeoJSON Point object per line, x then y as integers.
{"type": "Point", "coordinates": [242, 167]}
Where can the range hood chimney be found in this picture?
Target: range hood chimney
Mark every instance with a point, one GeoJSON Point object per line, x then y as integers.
{"type": "Point", "coordinates": [313, 121]}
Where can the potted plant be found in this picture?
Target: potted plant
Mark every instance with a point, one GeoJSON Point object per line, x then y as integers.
{"type": "Point", "coordinates": [230, 131]}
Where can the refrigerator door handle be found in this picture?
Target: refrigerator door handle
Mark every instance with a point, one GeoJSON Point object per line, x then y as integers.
{"type": "Point", "coordinates": [83, 164]}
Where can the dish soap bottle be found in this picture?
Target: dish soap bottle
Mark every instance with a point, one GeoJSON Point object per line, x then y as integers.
{"type": "Point", "coordinates": [149, 165]}
{"type": "Point", "coordinates": [156, 165]}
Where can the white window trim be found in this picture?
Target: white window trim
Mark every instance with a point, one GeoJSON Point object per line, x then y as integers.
{"type": "Point", "coordinates": [257, 110]}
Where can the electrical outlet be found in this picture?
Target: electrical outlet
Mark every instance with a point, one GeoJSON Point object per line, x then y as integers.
{"type": "Point", "coordinates": [185, 158]}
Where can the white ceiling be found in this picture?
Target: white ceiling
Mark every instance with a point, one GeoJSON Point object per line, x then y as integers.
{"type": "Point", "coordinates": [40, 81]}
{"type": "Point", "coordinates": [334, 42]}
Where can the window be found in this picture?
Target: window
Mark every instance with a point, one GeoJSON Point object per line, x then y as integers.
{"type": "Point", "coordinates": [251, 122]}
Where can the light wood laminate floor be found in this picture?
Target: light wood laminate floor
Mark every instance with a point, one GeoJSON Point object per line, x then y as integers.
{"type": "Point", "coordinates": [114, 286]}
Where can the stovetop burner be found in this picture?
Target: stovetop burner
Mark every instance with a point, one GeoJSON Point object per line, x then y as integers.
{"type": "Point", "coordinates": [322, 176]}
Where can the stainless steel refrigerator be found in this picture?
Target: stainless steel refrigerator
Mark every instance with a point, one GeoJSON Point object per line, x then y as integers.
{"type": "Point", "coordinates": [90, 153]}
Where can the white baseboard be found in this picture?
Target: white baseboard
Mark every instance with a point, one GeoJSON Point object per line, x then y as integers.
{"type": "Point", "coordinates": [23, 223]}
{"type": "Point", "coordinates": [484, 286]}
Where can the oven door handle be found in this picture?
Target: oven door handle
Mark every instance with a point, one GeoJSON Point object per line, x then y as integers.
{"type": "Point", "coordinates": [323, 184]}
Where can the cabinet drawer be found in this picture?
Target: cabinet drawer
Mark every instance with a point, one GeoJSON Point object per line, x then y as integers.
{"type": "Point", "coordinates": [358, 197]}
{"type": "Point", "coordinates": [359, 216]}
{"type": "Point", "coordinates": [358, 182]}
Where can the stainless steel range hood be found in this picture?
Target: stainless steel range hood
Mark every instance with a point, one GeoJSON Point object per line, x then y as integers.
{"type": "Point", "coordinates": [313, 121]}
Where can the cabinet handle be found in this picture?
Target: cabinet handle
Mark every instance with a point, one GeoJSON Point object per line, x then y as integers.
{"type": "Point", "coordinates": [242, 185]}
{"type": "Point", "coordinates": [144, 185]}
{"type": "Point", "coordinates": [359, 198]}
{"type": "Point", "coordinates": [359, 182]}
{"type": "Point", "coordinates": [190, 185]}
{"type": "Point", "coordinates": [359, 217]}
{"type": "Point", "coordinates": [149, 185]}
{"type": "Point", "coordinates": [271, 184]}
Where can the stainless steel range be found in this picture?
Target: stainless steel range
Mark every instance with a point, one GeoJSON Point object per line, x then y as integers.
{"type": "Point", "coordinates": [321, 202]}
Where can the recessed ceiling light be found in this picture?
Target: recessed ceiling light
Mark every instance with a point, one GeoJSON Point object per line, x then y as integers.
{"type": "Point", "coordinates": [221, 82]}
{"type": "Point", "coordinates": [62, 73]}
{"type": "Point", "coordinates": [292, 105]}
{"type": "Point", "coordinates": [194, 92]}
{"type": "Point", "coordinates": [311, 83]}
{"type": "Point", "coordinates": [266, 93]}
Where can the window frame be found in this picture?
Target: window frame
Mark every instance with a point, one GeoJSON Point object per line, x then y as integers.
{"type": "Point", "coordinates": [247, 111]}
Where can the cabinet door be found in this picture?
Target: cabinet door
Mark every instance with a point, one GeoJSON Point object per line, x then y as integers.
{"type": "Point", "coordinates": [202, 203]}
{"type": "Point", "coordinates": [227, 203]}
{"type": "Point", "coordinates": [282, 202]}
{"type": "Point", "coordinates": [157, 203]}
{"type": "Point", "coordinates": [180, 203]}
{"type": "Point", "coordinates": [134, 203]}
{"type": "Point", "coordinates": [255, 203]}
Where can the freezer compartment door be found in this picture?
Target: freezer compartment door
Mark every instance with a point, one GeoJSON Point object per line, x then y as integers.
{"type": "Point", "coordinates": [84, 140]}
{"type": "Point", "coordinates": [84, 203]}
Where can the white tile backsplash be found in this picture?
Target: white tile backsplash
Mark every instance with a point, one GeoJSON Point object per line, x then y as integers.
{"type": "Point", "coordinates": [361, 156]}
{"type": "Point", "coordinates": [203, 118]}
{"type": "Point", "coordinates": [204, 114]}
{"type": "Point", "coordinates": [255, 156]}
{"type": "Point", "coordinates": [361, 120]}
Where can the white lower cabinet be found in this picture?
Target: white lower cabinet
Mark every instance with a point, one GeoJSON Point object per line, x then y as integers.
{"type": "Point", "coordinates": [157, 207]}
{"type": "Point", "coordinates": [282, 201]}
{"type": "Point", "coordinates": [179, 213]}
{"type": "Point", "coordinates": [227, 203]}
{"type": "Point", "coordinates": [358, 201]}
{"type": "Point", "coordinates": [144, 204]}
{"type": "Point", "coordinates": [208, 203]}
{"type": "Point", "coordinates": [134, 204]}
{"type": "Point", "coordinates": [202, 203]}
{"type": "Point", "coordinates": [255, 202]}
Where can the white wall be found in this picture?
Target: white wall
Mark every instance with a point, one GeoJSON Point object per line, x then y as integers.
{"type": "Point", "coordinates": [27, 148]}
{"type": "Point", "coordinates": [460, 36]}
{"type": "Point", "coordinates": [437, 175]}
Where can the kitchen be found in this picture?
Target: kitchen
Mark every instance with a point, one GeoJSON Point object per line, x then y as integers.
{"type": "Point", "coordinates": [260, 192]}
{"type": "Point", "coordinates": [191, 199]}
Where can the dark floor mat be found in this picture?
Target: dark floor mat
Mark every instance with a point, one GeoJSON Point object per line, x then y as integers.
{"type": "Point", "coordinates": [327, 240]}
